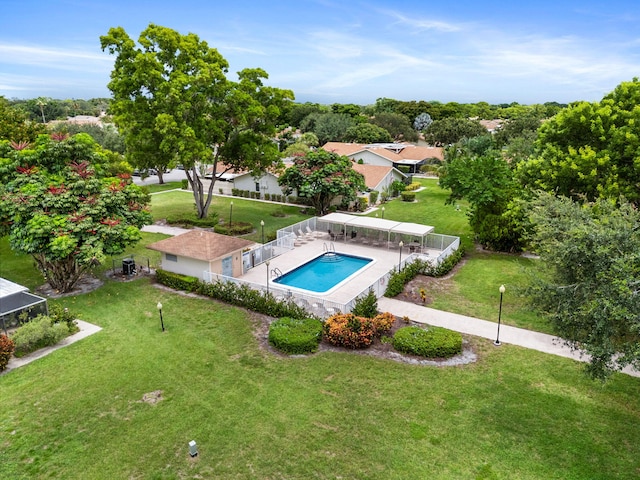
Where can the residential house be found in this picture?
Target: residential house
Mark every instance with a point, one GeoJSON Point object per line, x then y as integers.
{"type": "Point", "coordinates": [198, 251]}
{"type": "Point", "coordinates": [388, 154]}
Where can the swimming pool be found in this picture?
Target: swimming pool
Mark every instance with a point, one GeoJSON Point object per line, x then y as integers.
{"type": "Point", "coordinates": [323, 273]}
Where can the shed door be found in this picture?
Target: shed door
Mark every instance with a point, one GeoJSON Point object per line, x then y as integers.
{"type": "Point", "coordinates": [227, 266]}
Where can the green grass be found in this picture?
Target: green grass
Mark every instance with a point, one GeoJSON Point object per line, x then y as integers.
{"type": "Point", "coordinates": [515, 414]}
{"type": "Point", "coordinates": [156, 187]}
{"type": "Point", "coordinates": [274, 215]}
{"type": "Point", "coordinates": [430, 209]}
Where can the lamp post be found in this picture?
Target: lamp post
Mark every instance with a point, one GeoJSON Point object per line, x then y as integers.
{"type": "Point", "coordinates": [400, 260]}
{"type": "Point", "coordinates": [230, 212]}
{"type": "Point", "coordinates": [267, 264]}
{"type": "Point", "coordinates": [262, 225]}
{"type": "Point", "coordinates": [160, 310]}
{"type": "Point", "coordinates": [497, 342]}
{"type": "Point", "coordinates": [383, 212]}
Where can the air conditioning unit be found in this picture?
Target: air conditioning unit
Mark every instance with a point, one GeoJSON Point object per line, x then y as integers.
{"type": "Point", "coordinates": [128, 266]}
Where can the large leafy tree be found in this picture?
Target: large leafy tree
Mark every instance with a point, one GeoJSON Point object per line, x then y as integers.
{"type": "Point", "coordinates": [59, 208]}
{"type": "Point", "coordinates": [590, 284]}
{"type": "Point", "coordinates": [15, 126]}
{"type": "Point", "coordinates": [367, 133]}
{"type": "Point", "coordinates": [450, 130]}
{"type": "Point", "coordinates": [174, 104]}
{"type": "Point", "coordinates": [321, 177]}
{"type": "Point", "coordinates": [475, 171]}
{"type": "Point", "coordinates": [398, 126]}
{"type": "Point", "coordinates": [590, 150]}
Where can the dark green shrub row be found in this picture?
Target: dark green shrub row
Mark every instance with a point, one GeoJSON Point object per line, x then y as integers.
{"type": "Point", "coordinates": [184, 184]}
{"type": "Point", "coordinates": [38, 333]}
{"type": "Point", "coordinates": [7, 347]}
{"type": "Point", "coordinates": [236, 228]}
{"type": "Point", "coordinates": [434, 342]}
{"type": "Point", "coordinates": [296, 336]}
{"type": "Point", "coordinates": [398, 280]}
{"type": "Point", "coordinates": [373, 197]}
{"type": "Point", "coordinates": [446, 265]}
{"type": "Point", "coordinates": [177, 281]}
{"type": "Point", "coordinates": [228, 292]}
{"type": "Point", "coordinates": [191, 220]}
{"type": "Point", "coordinates": [408, 196]}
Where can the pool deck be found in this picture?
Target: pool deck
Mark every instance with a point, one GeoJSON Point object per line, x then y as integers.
{"type": "Point", "coordinates": [384, 260]}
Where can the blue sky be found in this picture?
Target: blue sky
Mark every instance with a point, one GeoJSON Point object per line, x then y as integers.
{"type": "Point", "coordinates": [344, 51]}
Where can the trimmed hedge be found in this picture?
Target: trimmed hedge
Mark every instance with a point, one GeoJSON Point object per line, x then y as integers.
{"type": "Point", "coordinates": [398, 280]}
{"type": "Point", "coordinates": [7, 347]}
{"type": "Point", "coordinates": [236, 228]}
{"type": "Point", "coordinates": [235, 294]}
{"type": "Point", "coordinates": [296, 336]}
{"type": "Point", "coordinates": [38, 333]}
{"type": "Point", "coordinates": [434, 342]}
{"type": "Point", "coordinates": [408, 196]}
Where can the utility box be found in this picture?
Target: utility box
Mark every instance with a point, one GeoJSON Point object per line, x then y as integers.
{"type": "Point", "coordinates": [128, 266]}
{"type": "Point", "coordinates": [193, 448]}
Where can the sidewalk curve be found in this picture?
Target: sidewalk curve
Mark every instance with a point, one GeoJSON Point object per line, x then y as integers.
{"type": "Point", "coordinates": [86, 329]}
{"type": "Point", "coordinates": [482, 328]}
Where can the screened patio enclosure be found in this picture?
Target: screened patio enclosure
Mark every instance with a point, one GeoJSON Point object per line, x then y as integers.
{"type": "Point", "coordinates": [374, 231]}
{"type": "Point", "coordinates": [16, 299]}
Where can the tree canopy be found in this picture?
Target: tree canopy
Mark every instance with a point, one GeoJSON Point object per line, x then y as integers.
{"type": "Point", "coordinates": [174, 105]}
{"type": "Point", "coordinates": [589, 287]}
{"type": "Point", "coordinates": [321, 177]}
{"type": "Point", "coordinates": [58, 206]}
{"type": "Point", "coordinates": [474, 170]}
{"type": "Point", "coordinates": [15, 126]}
{"type": "Point", "coordinates": [450, 130]}
{"type": "Point", "coordinates": [590, 150]}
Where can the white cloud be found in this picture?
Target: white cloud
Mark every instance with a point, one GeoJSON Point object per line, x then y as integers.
{"type": "Point", "coordinates": [63, 59]}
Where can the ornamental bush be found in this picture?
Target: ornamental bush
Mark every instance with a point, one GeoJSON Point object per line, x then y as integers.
{"type": "Point", "coordinates": [408, 196]}
{"type": "Point", "coordinates": [351, 331]}
{"type": "Point", "coordinates": [366, 305]}
{"type": "Point", "coordinates": [296, 336]}
{"type": "Point", "coordinates": [40, 332]}
{"type": "Point", "coordinates": [7, 347]}
{"type": "Point", "coordinates": [348, 330]}
{"type": "Point", "coordinates": [383, 322]}
{"type": "Point", "coordinates": [432, 342]}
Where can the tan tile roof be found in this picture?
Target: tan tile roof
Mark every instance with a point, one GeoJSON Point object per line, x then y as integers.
{"type": "Point", "coordinates": [373, 174]}
{"type": "Point", "coordinates": [400, 151]}
{"type": "Point", "coordinates": [201, 245]}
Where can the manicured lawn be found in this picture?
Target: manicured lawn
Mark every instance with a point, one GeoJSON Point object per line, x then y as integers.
{"type": "Point", "coordinates": [515, 414]}
{"type": "Point", "coordinates": [274, 215]}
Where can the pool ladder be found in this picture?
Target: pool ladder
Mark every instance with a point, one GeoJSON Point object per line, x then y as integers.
{"type": "Point", "coordinates": [275, 272]}
{"type": "Point", "coordinates": [329, 248]}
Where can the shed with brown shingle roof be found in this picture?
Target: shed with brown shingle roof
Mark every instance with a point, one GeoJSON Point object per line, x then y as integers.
{"type": "Point", "coordinates": [199, 251]}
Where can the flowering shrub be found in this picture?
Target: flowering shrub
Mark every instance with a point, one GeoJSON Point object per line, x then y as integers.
{"type": "Point", "coordinates": [383, 322]}
{"type": "Point", "coordinates": [6, 350]}
{"type": "Point", "coordinates": [351, 331]}
{"type": "Point", "coordinates": [347, 330]}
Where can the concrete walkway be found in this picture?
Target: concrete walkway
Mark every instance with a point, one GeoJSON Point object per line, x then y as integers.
{"type": "Point", "coordinates": [166, 229]}
{"type": "Point", "coordinates": [485, 329]}
{"type": "Point", "coordinates": [86, 329]}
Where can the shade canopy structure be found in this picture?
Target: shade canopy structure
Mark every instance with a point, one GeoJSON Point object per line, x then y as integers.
{"type": "Point", "coordinates": [346, 226]}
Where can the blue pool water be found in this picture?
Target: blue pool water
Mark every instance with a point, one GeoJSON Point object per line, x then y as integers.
{"type": "Point", "coordinates": [324, 272]}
